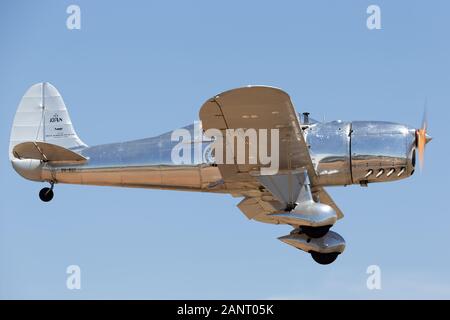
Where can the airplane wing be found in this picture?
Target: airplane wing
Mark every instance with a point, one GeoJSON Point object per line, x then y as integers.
{"type": "Point", "coordinates": [260, 107]}
{"type": "Point", "coordinates": [260, 208]}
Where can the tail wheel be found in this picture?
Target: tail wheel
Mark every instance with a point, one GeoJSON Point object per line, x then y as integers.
{"type": "Point", "coordinates": [324, 258]}
{"type": "Point", "coordinates": [46, 194]}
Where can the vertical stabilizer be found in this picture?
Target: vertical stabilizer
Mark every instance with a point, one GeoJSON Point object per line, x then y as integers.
{"type": "Point", "coordinates": [42, 116]}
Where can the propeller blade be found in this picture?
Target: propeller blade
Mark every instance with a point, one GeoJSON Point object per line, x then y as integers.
{"type": "Point", "coordinates": [422, 137]}
{"type": "Point", "coordinates": [425, 117]}
{"type": "Point", "coordinates": [421, 140]}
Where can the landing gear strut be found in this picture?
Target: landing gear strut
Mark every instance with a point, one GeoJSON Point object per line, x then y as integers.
{"type": "Point", "coordinates": [46, 194]}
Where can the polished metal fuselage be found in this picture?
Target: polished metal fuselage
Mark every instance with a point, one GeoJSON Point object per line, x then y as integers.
{"type": "Point", "coordinates": [342, 153]}
{"type": "Point", "coordinates": [361, 152]}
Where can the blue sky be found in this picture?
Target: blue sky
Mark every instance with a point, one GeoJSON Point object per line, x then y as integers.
{"type": "Point", "coordinates": [140, 68]}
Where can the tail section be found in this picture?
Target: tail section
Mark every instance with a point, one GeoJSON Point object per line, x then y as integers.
{"type": "Point", "coordinates": [43, 117]}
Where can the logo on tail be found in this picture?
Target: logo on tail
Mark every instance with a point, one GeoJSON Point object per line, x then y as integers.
{"type": "Point", "coordinates": [56, 118]}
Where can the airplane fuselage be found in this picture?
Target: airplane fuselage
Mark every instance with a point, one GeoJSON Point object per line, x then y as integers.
{"type": "Point", "coordinates": [343, 153]}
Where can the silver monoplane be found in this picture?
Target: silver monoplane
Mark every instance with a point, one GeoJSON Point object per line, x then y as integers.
{"type": "Point", "coordinates": [310, 155]}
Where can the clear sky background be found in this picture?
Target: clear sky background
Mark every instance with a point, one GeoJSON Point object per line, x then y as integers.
{"type": "Point", "coordinates": [140, 68]}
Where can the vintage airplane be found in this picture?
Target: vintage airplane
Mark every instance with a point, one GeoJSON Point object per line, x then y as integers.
{"type": "Point", "coordinates": [312, 155]}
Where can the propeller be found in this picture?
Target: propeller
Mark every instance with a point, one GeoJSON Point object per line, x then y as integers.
{"type": "Point", "coordinates": [422, 138]}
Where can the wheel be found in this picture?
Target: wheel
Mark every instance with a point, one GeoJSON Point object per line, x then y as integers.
{"type": "Point", "coordinates": [324, 258]}
{"type": "Point", "coordinates": [46, 194]}
{"type": "Point", "coordinates": [315, 232]}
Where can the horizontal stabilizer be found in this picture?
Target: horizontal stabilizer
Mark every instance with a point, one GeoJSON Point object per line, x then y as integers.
{"type": "Point", "coordinates": [46, 152]}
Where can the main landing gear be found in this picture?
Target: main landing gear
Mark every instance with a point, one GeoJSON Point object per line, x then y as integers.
{"type": "Point", "coordinates": [315, 232]}
{"type": "Point", "coordinates": [46, 194]}
{"type": "Point", "coordinates": [324, 258]}
{"type": "Point", "coordinates": [323, 250]}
